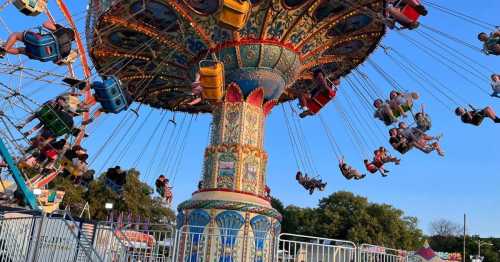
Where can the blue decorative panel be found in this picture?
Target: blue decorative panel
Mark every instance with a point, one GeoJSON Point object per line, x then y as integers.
{"type": "Point", "coordinates": [327, 9]}
{"type": "Point", "coordinates": [260, 226]}
{"type": "Point", "coordinates": [155, 14]}
{"type": "Point", "coordinates": [350, 25]}
{"type": "Point", "coordinates": [198, 219]}
{"type": "Point", "coordinates": [204, 7]}
{"type": "Point", "coordinates": [250, 55]}
{"type": "Point", "coordinates": [345, 48]}
{"type": "Point", "coordinates": [230, 223]}
{"type": "Point", "coordinates": [250, 79]}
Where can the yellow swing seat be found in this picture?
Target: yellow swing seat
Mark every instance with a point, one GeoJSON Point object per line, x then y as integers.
{"type": "Point", "coordinates": [31, 7]}
{"type": "Point", "coordinates": [212, 79]}
{"type": "Point", "coordinates": [234, 14]}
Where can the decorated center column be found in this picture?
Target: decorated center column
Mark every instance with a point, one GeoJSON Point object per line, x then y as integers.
{"type": "Point", "coordinates": [232, 199]}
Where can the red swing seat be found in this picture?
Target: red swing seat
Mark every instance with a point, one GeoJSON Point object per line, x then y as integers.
{"type": "Point", "coordinates": [410, 13]}
{"type": "Point", "coordinates": [320, 99]}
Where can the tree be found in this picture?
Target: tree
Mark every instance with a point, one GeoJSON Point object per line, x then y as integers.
{"type": "Point", "coordinates": [137, 198]}
{"type": "Point", "coordinates": [446, 228]}
{"type": "Point", "coordinates": [343, 215]}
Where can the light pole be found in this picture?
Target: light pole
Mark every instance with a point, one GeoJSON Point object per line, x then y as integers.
{"type": "Point", "coordinates": [479, 244]}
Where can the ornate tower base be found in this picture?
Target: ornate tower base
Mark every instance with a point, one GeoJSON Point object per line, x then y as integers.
{"type": "Point", "coordinates": [230, 217]}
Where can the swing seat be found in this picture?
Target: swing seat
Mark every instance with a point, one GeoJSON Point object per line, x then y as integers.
{"type": "Point", "coordinates": [234, 14]}
{"type": "Point", "coordinates": [320, 99]}
{"type": "Point", "coordinates": [410, 13]}
{"type": "Point", "coordinates": [42, 45]}
{"type": "Point", "coordinates": [212, 79]}
{"type": "Point", "coordinates": [110, 95]}
{"type": "Point", "coordinates": [68, 165]}
{"type": "Point", "coordinates": [60, 123]}
{"type": "Point", "coordinates": [30, 7]}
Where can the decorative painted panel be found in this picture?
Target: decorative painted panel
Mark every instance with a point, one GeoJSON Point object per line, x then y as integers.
{"type": "Point", "coordinates": [232, 124]}
{"type": "Point", "coordinates": [250, 174]}
{"type": "Point", "coordinates": [227, 170]}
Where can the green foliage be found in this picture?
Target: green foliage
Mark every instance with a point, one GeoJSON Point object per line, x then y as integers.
{"type": "Point", "coordinates": [137, 198]}
{"type": "Point", "coordinates": [454, 244]}
{"type": "Point", "coordinates": [343, 215]}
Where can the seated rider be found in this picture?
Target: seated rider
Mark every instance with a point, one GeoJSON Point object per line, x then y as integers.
{"type": "Point", "coordinates": [476, 116]}
{"type": "Point", "coordinates": [197, 91]}
{"type": "Point", "coordinates": [349, 172]}
{"type": "Point", "coordinates": [495, 85]}
{"type": "Point", "coordinates": [372, 168]}
{"type": "Point", "coordinates": [399, 142]}
{"type": "Point", "coordinates": [64, 37]}
{"type": "Point", "coordinates": [382, 157]}
{"type": "Point", "coordinates": [310, 183]}
{"type": "Point", "coordinates": [491, 44]}
{"type": "Point", "coordinates": [321, 88]}
{"type": "Point", "coordinates": [160, 185]}
{"type": "Point", "coordinates": [384, 112]}
{"type": "Point", "coordinates": [394, 11]}
{"type": "Point", "coordinates": [401, 103]}
{"type": "Point", "coordinates": [419, 139]}
{"type": "Point", "coordinates": [423, 120]}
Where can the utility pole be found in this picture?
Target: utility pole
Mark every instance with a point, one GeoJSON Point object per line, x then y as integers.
{"type": "Point", "coordinates": [463, 257]}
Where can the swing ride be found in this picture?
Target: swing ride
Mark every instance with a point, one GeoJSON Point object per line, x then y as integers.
{"type": "Point", "coordinates": [234, 59]}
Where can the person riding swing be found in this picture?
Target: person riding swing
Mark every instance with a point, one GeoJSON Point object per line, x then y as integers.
{"type": "Point", "coordinates": [310, 184]}
{"type": "Point", "coordinates": [491, 43]}
{"type": "Point", "coordinates": [349, 172]}
{"type": "Point", "coordinates": [53, 43]}
{"type": "Point", "coordinates": [405, 12]}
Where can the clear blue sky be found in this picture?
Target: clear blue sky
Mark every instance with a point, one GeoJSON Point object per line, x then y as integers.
{"type": "Point", "coordinates": [425, 186]}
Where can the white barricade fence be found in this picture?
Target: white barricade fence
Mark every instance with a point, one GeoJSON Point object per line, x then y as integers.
{"type": "Point", "coordinates": [371, 253]}
{"type": "Point", "coordinates": [16, 231]}
{"type": "Point", "coordinates": [135, 241]}
{"type": "Point", "coordinates": [26, 237]}
{"type": "Point", "coordinates": [298, 248]}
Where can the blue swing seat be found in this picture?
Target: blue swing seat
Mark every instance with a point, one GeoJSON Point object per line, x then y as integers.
{"type": "Point", "coordinates": [41, 45]}
{"type": "Point", "coordinates": [110, 95]}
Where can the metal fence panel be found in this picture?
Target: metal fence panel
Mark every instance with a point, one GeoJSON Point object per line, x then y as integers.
{"type": "Point", "coordinates": [299, 248]}
{"type": "Point", "coordinates": [39, 238]}
{"type": "Point", "coordinates": [372, 253]}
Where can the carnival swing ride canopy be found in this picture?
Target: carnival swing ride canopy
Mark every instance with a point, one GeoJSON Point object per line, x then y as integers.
{"type": "Point", "coordinates": [154, 46]}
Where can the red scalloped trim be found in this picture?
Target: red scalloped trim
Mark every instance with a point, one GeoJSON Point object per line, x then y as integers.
{"type": "Point", "coordinates": [234, 94]}
{"type": "Point", "coordinates": [268, 106]}
{"type": "Point", "coordinates": [256, 97]}
{"type": "Point", "coordinates": [231, 191]}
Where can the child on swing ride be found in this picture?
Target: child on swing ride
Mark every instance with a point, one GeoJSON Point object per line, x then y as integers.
{"type": "Point", "coordinates": [395, 13]}
{"type": "Point", "coordinates": [322, 93]}
{"type": "Point", "coordinates": [310, 184]}
{"type": "Point", "coordinates": [495, 85]}
{"type": "Point", "coordinates": [475, 116]}
{"type": "Point", "coordinates": [401, 103]}
{"type": "Point", "coordinates": [380, 158]}
{"type": "Point", "coordinates": [64, 37]}
{"type": "Point", "coordinates": [491, 43]}
{"type": "Point", "coordinates": [349, 172]}
{"type": "Point", "coordinates": [419, 139]}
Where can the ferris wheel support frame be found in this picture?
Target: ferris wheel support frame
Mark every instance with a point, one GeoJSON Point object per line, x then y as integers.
{"type": "Point", "coordinates": [89, 99]}
{"type": "Point", "coordinates": [18, 178]}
